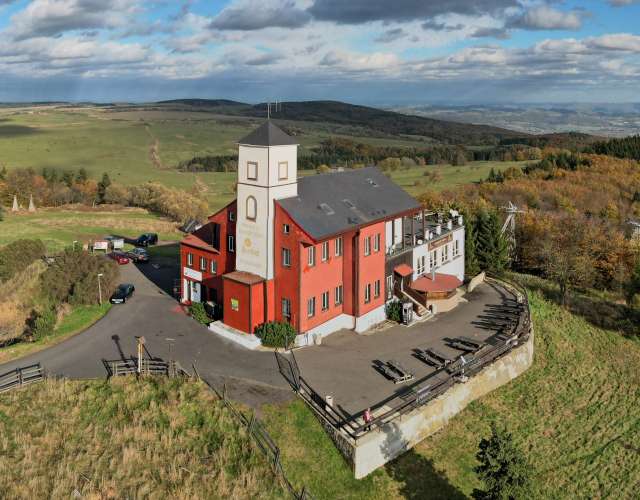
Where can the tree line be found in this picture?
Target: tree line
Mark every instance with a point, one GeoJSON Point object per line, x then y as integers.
{"type": "Point", "coordinates": [626, 147]}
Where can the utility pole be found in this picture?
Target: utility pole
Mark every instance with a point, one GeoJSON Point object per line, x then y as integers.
{"type": "Point", "coordinates": [99, 289]}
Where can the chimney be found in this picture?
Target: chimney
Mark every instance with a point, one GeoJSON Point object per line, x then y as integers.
{"type": "Point", "coordinates": [438, 229]}
{"type": "Point", "coordinates": [460, 220]}
{"type": "Point", "coordinates": [449, 225]}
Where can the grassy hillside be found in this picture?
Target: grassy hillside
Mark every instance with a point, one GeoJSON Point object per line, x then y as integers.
{"type": "Point", "coordinates": [126, 439]}
{"type": "Point", "coordinates": [575, 413]}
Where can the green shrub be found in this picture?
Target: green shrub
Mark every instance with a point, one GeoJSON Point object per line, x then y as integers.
{"type": "Point", "coordinates": [276, 334]}
{"type": "Point", "coordinates": [394, 311]}
{"type": "Point", "coordinates": [43, 323]}
{"type": "Point", "coordinates": [199, 313]}
{"type": "Point", "coordinates": [18, 255]}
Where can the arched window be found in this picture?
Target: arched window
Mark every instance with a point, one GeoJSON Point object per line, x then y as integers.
{"type": "Point", "coordinates": [252, 208]}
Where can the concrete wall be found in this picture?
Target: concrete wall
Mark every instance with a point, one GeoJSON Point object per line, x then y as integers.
{"type": "Point", "coordinates": [388, 442]}
{"type": "Point", "coordinates": [372, 318]}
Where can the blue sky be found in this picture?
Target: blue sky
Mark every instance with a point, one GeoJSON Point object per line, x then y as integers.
{"type": "Point", "coordinates": [364, 51]}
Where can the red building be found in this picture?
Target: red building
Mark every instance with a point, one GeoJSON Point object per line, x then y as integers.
{"type": "Point", "coordinates": [314, 251]}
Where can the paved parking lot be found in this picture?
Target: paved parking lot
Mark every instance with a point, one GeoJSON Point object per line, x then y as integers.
{"type": "Point", "coordinates": [251, 377]}
{"type": "Point", "coordinates": [343, 366]}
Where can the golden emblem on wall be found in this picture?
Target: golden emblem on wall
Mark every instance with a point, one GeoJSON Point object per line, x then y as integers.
{"type": "Point", "coordinates": [247, 243]}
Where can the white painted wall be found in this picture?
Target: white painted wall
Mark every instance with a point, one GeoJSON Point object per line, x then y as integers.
{"type": "Point", "coordinates": [341, 322]}
{"type": "Point", "coordinates": [372, 318]}
{"type": "Point", "coordinates": [398, 230]}
{"type": "Point", "coordinates": [388, 235]}
{"type": "Point", "coordinates": [254, 239]}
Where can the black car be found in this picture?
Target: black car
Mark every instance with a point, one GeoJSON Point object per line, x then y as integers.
{"type": "Point", "coordinates": [138, 255]}
{"type": "Point", "coordinates": [122, 293]}
{"type": "Point", "coordinates": [146, 239]}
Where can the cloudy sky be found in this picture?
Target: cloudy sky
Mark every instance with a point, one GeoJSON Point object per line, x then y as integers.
{"type": "Point", "coordinates": [365, 51]}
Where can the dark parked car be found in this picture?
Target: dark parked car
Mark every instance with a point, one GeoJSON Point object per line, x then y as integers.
{"type": "Point", "coordinates": [119, 257]}
{"type": "Point", "coordinates": [146, 239]}
{"type": "Point", "coordinates": [122, 293]}
{"type": "Point", "coordinates": [138, 255]}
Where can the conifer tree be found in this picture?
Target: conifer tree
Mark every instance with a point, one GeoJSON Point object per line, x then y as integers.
{"type": "Point", "coordinates": [104, 183]}
{"type": "Point", "coordinates": [492, 248]}
{"type": "Point", "coordinates": [470, 258]}
{"type": "Point", "coordinates": [503, 468]}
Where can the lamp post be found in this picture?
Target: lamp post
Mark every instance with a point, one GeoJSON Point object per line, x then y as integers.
{"type": "Point", "coordinates": [99, 289]}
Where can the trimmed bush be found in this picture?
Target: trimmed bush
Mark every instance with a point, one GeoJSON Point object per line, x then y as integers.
{"type": "Point", "coordinates": [199, 313]}
{"type": "Point", "coordinates": [276, 334]}
{"type": "Point", "coordinates": [394, 311]}
{"type": "Point", "coordinates": [18, 255]}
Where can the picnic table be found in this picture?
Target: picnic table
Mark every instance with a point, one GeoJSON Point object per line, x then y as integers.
{"type": "Point", "coordinates": [396, 372]}
{"type": "Point", "coordinates": [433, 357]}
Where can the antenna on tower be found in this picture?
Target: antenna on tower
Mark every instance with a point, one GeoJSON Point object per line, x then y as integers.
{"type": "Point", "coordinates": [509, 226]}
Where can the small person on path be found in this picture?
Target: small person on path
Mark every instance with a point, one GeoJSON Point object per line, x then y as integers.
{"type": "Point", "coordinates": [367, 419]}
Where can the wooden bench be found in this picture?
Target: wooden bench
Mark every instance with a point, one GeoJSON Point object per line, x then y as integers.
{"type": "Point", "coordinates": [433, 357]}
{"type": "Point", "coordinates": [396, 372]}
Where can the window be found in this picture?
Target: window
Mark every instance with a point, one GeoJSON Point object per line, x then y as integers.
{"type": "Point", "coordinates": [367, 245]}
{"type": "Point", "coordinates": [456, 248]}
{"type": "Point", "coordinates": [231, 243]}
{"type": "Point", "coordinates": [252, 171]}
{"type": "Point", "coordinates": [214, 267]}
{"type": "Point", "coordinates": [338, 295]}
{"type": "Point", "coordinates": [445, 253]}
{"type": "Point", "coordinates": [338, 244]}
{"type": "Point", "coordinates": [389, 286]}
{"type": "Point", "coordinates": [283, 171]}
{"type": "Point", "coordinates": [376, 289]}
{"type": "Point", "coordinates": [286, 257]}
{"type": "Point", "coordinates": [433, 259]}
{"type": "Point", "coordinates": [421, 264]}
{"type": "Point", "coordinates": [203, 264]}
{"type": "Point", "coordinates": [376, 243]}
{"type": "Point", "coordinates": [286, 309]}
{"type": "Point", "coordinates": [232, 216]}
{"type": "Point", "coordinates": [325, 301]}
{"type": "Point", "coordinates": [235, 305]}
{"type": "Point", "coordinates": [252, 208]}
{"type": "Point", "coordinates": [311, 307]}
{"type": "Point", "coordinates": [286, 229]}
{"type": "Point", "coordinates": [367, 294]}
{"type": "Point", "coordinates": [311, 256]}
{"type": "Point", "coordinates": [190, 259]}
{"type": "Point", "coordinates": [325, 251]}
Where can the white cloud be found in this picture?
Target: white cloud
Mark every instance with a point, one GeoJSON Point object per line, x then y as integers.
{"type": "Point", "coordinates": [544, 17]}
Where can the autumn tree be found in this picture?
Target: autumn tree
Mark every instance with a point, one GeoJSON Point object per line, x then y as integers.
{"type": "Point", "coordinates": [632, 287]}
{"type": "Point", "coordinates": [503, 469]}
{"type": "Point", "coordinates": [104, 183]}
{"type": "Point", "coordinates": [565, 254]}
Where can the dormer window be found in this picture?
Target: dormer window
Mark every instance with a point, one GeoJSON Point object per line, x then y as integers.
{"type": "Point", "coordinates": [252, 171]}
{"type": "Point", "coordinates": [283, 171]}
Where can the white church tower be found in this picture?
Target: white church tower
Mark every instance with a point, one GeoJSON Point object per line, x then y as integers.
{"type": "Point", "coordinates": [267, 171]}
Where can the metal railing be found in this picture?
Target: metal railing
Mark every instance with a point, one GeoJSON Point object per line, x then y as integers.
{"type": "Point", "coordinates": [262, 439]}
{"type": "Point", "coordinates": [507, 337]}
{"type": "Point", "coordinates": [20, 377]}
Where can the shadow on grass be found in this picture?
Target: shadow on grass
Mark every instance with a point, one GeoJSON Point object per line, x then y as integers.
{"type": "Point", "coordinates": [598, 311]}
{"type": "Point", "coordinates": [420, 479]}
{"type": "Point", "coordinates": [17, 130]}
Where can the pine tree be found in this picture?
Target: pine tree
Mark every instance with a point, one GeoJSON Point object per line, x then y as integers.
{"type": "Point", "coordinates": [503, 468]}
{"type": "Point", "coordinates": [82, 176]}
{"type": "Point", "coordinates": [492, 248]}
{"type": "Point", "coordinates": [104, 183]}
{"type": "Point", "coordinates": [470, 258]}
{"type": "Point", "coordinates": [3, 173]}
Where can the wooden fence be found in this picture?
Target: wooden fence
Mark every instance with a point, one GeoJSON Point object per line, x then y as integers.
{"type": "Point", "coordinates": [21, 377]}
{"type": "Point", "coordinates": [145, 366]}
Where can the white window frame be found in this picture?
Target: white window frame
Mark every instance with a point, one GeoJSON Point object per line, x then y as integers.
{"type": "Point", "coordinates": [376, 289]}
{"type": "Point", "coordinates": [252, 168]}
{"type": "Point", "coordinates": [338, 246]}
{"type": "Point", "coordinates": [213, 269]}
{"type": "Point", "coordinates": [286, 308]}
{"type": "Point", "coordinates": [325, 251]}
{"type": "Point", "coordinates": [325, 301]}
{"type": "Point", "coordinates": [376, 243]}
{"type": "Point", "coordinates": [311, 256]}
{"type": "Point", "coordinates": [367, 293]}
{"type": "Point", "coordinates": [282, 164]}
{"type": "Point", "coordinates": [190, 259]}
{"type": "Point", "coordinates": [232, 216]}
{"type": "Point", "coordinates": [445, 253]}
{"type": "Point", "coordinates": [422, 261]}
{"type": "Point", "coordinates": [231, 243]}
{"type": "Point", "coordinates": [286, 257]}
{"type": "Point", "coordinates": [339, 295]}
{"type": "Point", "coordinates": [456, 248]}
{"type": "Point", "coordinates": [311, 307]}
{"type": "Point", "coordinates": [286, 228]}
{"type": "Point", "coordinates": [367, 246]}
{"type": "Point", "coordinates": [203, 264]}
{"type": "Point", "coordinates": [433, 259]}
{"type": "Point", "coordinates": [389, 286]}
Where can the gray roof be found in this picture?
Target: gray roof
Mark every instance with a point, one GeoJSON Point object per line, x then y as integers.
{"type": "Point", "coordinates": [268, 134]}
{"type": "Point", "coordinates": [328, 204]}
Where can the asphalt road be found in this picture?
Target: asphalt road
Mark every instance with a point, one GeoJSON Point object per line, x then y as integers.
{"type": "Point", "coordinates": [252, 377]}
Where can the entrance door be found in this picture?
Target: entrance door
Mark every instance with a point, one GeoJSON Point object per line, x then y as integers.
{"type": "Point", "coordinates": [195, 292]}
{"type": "Point", "coordinates": [186, 290]}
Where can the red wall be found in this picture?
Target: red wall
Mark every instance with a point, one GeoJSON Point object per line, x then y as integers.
{"type": "Point", "coordinates": [237, 319]}
{"type": "Point", "coordinates": [226, 260]}
{"type": "Point", "coordinates": [370, 268]}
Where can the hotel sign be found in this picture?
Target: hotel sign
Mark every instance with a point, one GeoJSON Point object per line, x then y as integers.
{"type": "Point", "coordinates": [441, 242]}
{"type": "Point", "coordinates": [191, 273]}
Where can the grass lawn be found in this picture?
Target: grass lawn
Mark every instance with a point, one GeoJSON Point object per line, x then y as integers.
{"type": "Point", "coordinates": [58, 228]}
{"type": "Point", "coordinates": [575, 413]}
{"type": "Point", "coordinates": [126, 438]}
{"type": "Point", "coordinates": [77, 320]}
